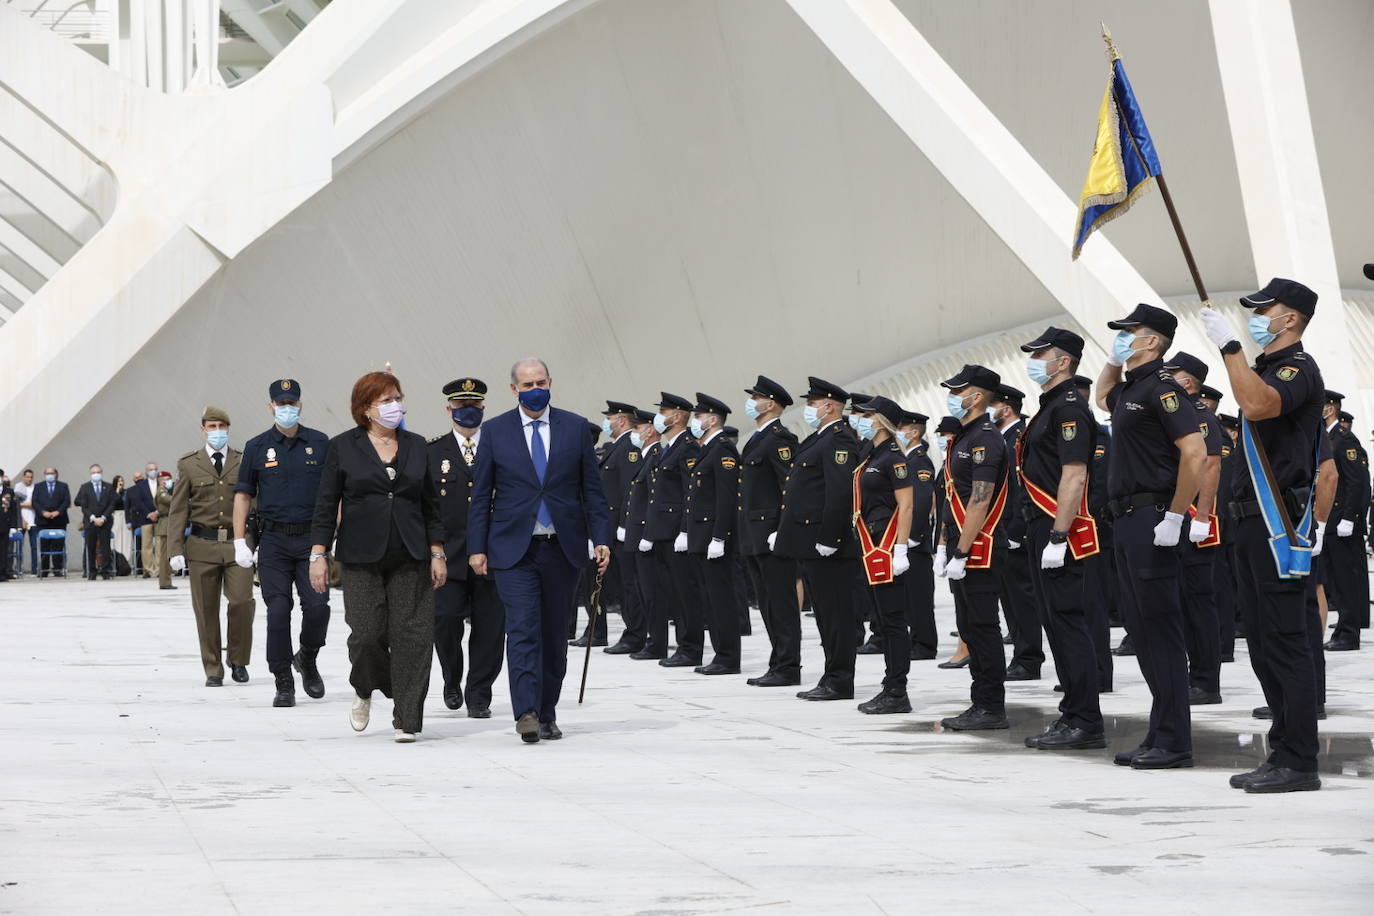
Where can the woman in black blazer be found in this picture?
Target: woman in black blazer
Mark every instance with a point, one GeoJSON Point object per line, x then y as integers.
{"type": "Point", "coordinates": [377, 497]}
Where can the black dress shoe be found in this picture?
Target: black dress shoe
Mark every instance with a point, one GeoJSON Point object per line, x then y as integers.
{"type": "Point", "coordinates": [961, 663]}
{"type": "Point", "coordinates": [1262, 712]}
{"type": "Point", "coordinates": [1227, 658]}
{"type": "Point", "coordinates": [1239, 780]}
{"type": "Point", "coordinates": [886, 703]}
{"type": "Point", "coordinates": [1157, 758]}
{"type": "Point", "coordinates": [825, 693]}
{"type": "Point", "coordinates": [1126, 758]}
{"type": "Point", "coordinates": [975, 718]}
{"type": "Point", "coordinates": [479, 712]}
{"type": "Point", "coordinates": [873, 646]}
{"type": "Point", "coordinates": [550, 731]}
{"type": "Point", "coordinates": [1339, 645]}
{"type": "Point", "coordinates": [622, 648]}
{"type": "Point", "coordinates": [304, 662]}
{"type": "Point", "coordinates": [644, 655]}
{"type": "Point", "coordinates": [1199, 697]}
{"type": "Point", "coordinates": [1072, 739]}
{"type": "Point", "coordinates": [581, 641]}
{"type": "Point", "coordinates": [1007, 641]}
{"type": "Point", "coordinates": [954, 633]}
{"type": "Point", "coordinates": [1058, 688]}
{"type": "Point", "coordinates": [214, 682]}
{"type": "Point", "coordinates": [1126, 647]}
{"type": "Point", "coordinates": [527, 727]}
{"type": "Point", "coordinates": [1054, 728]}
{"type": "Point", "coordinates": [715, 668]}
{"type": "Point", "coordinates": [1282, 779]}
{"type": "Point", "coordinates": [773, 680]}
{"type": "Point", "coordinates": [286, 689]}
{"type": "Point", "coordinates": [166, 587]}
{"type": "Point", "coordinates": [678, 660]}
{"type": "Point", "coordinates": [239, 673]}
{"type": "Point", "coordinates": [1019, 672]}
{"type": "Point", "coordinates": [922, 655]}
{"type": "Point", "coordinates": [453, 697]}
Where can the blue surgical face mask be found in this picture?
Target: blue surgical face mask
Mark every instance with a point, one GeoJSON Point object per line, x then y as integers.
{"type": "Point", "coordinates": [854, 422]}
{"type": "Point", "coordinates": [467, 417]}
{"type": "Point", "coordinates": [606, 427]}
{"type": "Point", "coordinates": [535, 399]}
{"type": "Point", "coordinates": [1123, 346]}
{"type": "Point", "coordinates": [96, 478]}
{"type": "Point", "coordinates": [287, 415]}
{"type": "Point", "coordinates": [944, 444]}
{"type": "Point", "coordinates": [167, 483]}
{"type": "Point", "coordinates": [751, 409]}
{"type": "Point", "coordinates": [903, 440]}
{"type": "Point", "coordinates": [1037, 370]}
{"type": "Point", "coordinates": [811, 416]}
{"type": "Point", "coordinates": [50, 478]}
{"type": "Point", "coordinates": [1259, 330]}
{"type": "Point", "coordinates": [696, 427]}
{"type": "Point", "coordinates": [660, 423]}
{"type": "Point", "coordinates": [954, 403]}
{"type": "Point", "coordinates": [865, 426]}
{"type": "Point", "coordinates": [636, 439]}
{"type": "Point", "coordinates": [217, 438]}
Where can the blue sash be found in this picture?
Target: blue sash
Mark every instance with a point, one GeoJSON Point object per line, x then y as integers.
{"type": "Point", "coordinates": [1291, 560]}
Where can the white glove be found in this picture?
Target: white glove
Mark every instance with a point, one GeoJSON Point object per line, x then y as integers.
{"type": "Point", "coordinates": [826, 551]}
{"type": "Point", "coordinates": [1169, 529]}
{"type": "Point", "coordinates": [900, 563]}
{"type": "Point", "coordinates": [1111, 357]}
{"type": "Point", "coordinates": [591, 550]}
{"type": "Point", "coordinates": [1199, 529]}
{"type": "Point", "coordinates": [680, 543]}
{"type": "Point", "coordinates": [1345, 528]}
{"type": "Point", "coordinates": [716, 549]}
{"type": "Point", "coordinates": [772, 539]}
{"type": "Point", "coordinates": [955, 570]}
{"type": "Point", "coordinates": [178, 564]}
{"type": "Point", "coordinates": [242, 555]}
{"type": "Point", "coordinates": [1318, 539]}
{"type": "Point", "coordinates": [645, 546]}
{"type": "Point", "coordinates": [620, 534]}
{"type": "Point", "coordinates": [1013, 545]}
{"type": "Point", "coordinates": [1052, 557]}
{"type": "Point", "coordinates": [940, 561]}
{"type": "Point", "coordinates": [1219, 330]}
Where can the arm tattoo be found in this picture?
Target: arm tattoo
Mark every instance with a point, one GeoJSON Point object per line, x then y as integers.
{"type": "Point", "coordinates": [982, 491]}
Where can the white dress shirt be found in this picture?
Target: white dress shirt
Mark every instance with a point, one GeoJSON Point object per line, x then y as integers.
{"type": "Point", "coordinates": [24, 492]}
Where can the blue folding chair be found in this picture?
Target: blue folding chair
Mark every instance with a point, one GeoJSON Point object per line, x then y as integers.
{"type": "Point", "coordinates": [14, 554]}
{"type": "Point", "coordinates": [52, 543]}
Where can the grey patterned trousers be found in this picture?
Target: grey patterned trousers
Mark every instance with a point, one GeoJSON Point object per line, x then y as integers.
{"type": "Point", "coordinates": [389, 609]}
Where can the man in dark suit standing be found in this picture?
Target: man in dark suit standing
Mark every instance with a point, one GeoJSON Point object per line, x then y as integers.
{"type": "Point", "coordinates": [51, 500]}
{"type": "Point", "coordinates": [466, 595]}
{"type": "Point", "coordinates": [538, 514]}
{"type": "Point", "coordinates": [619, 464]}
{"type": "Point", "coordinates": [96, 501]}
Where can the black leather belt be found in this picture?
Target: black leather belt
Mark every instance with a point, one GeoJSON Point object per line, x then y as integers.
{"type": "Point", "coordinates": [544, 537]}
{"type": "Point", "coordinates": [293, 529]}
{"type": "Point", "coordinates": [1294, 500]}
{"type": "Point", "coordinates": [212, 534]}
{"type": "Point", "coordinates": [1126, 504]}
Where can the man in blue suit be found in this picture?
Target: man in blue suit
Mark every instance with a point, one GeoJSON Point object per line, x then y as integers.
{"type": "Point", "coordinates": [538, 515]}
{"type": "Point", "coordinates": [51, 499]}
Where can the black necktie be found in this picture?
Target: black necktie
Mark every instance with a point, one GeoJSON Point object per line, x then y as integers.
{"type": "Point", "coordinates": [219, 463]}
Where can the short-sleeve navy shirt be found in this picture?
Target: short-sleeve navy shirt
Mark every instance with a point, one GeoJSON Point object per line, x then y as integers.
{"type": "Point", "coordinates": [1150, 412]}
{"type": "Point", "coordinates": [1290, 439]}
{"type": "Point", "coordinates": [283, 472]}
{"type": "Point", "coordinates": [1062, 432]}
{"type": "Point", "coordinates": [886, 473]}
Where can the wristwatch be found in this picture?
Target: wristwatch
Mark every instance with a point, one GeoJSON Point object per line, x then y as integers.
{"type": "Point", "coordinates": [956, 554]}
{"type": "Point", "coordinates": [1059, 537]}
{"type": "Point", "coordinates": [437, 555]}
{"type": "Point", "coordinates": [1232, 346]}
{"type": "Point", "coordinates": [317, 556]}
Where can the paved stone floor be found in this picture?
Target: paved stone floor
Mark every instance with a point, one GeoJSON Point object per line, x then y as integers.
{"type": "Point", "coordinates": [129, 787]}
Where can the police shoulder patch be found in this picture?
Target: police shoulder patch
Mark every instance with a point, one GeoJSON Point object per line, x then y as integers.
{"type": "Point", "coordinates": [1099, 451]}
{"type": "Point", "coordinates": [1202, 428]}
{"type": "Point", "coordinates": [728, 462]}
{"type": "Point", "coordinates": [632, 456]}
{"type": "Point", "coordinates": [1287, 373]}
{"type": "Point", "coordinates": [691, 463]}
{"type": "Point", "coordinates": [1068, 430]}
{"type": "Point", "coordinates": [1351, 454]}
{"type": "Point", "coordinates": [785, 453]}
{"type": "Point", "coordinates": [924, 475]}
{"type": "Point", "coordinates": [1169, 400]}
{"type": "Point", "coordinates": [979, 453]}
{"type": "Point", "coordinates": [1226, 451]}
{"type": "Point", "coordinates": [899, 470]}
{"type": "Point", "coordinates": [841, 456]}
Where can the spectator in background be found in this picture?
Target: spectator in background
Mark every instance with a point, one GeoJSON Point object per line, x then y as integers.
{"type": "Point", "coordinates": [160, 529]}
{"type": "Point", "coordinates": [141, 515]}
{"type": "Point", "coordinates": [96, 499]}
{"type": "Point", "coordinates": [23, 492]}
{"type": "Point", "coordinates": [51, 500]}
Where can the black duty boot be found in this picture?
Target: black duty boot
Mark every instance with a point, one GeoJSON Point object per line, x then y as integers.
{"type": "Point", "coordinates": [887, 703]}
{"type": "Point", "coordinates": [286, 689]}
{"type": "Point", "coordinates": [304, 662]}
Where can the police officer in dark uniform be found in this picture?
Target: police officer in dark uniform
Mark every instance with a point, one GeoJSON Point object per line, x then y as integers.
{"type": "Point", "coordinates": [1200, 552]}
{"type": "Point", "coordinates": [977, 470]}
{"type": "Point", "coordinates": [1019, 603]}
{"type": "Point", "coordinates": [464, 596]}
{"type": "Point", "coordinates": [1099, 570]}
{"type": "Point", "coordinates": [586, 581]}
{"type": "Point", "coordinates": [945, 431]}
{"type": "Point", "coordinates": [619, 465]}
{"type": "Point", "coordinates": [1157, 460]}
{"type": "Point", "coordinates": [638, 550]}
{"type": "Point", "coordinates": [709, 507]}
{"type": "Point", "coordinates": [1231, 464]}
{"type": "Point", "coordinates": [1347, 579]}
{"type": "Point", "coordinates": [765, 461]}
{"type": "Point", "coordinates": [920, 579]}
{"type": "Point", "coordinates": [1055, 456]}
{"type": "Point", "coordinates": [281, 469]}
{"type": "Point", "coordinates": [1280, 399]}
{"type": "Point", "coordinates": [814, 528]}
{"type": "Point", "coordinates": [675, 593]}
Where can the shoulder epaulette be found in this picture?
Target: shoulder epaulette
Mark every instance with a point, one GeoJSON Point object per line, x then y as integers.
{"type": "Point", "coordinates": [435, 439]}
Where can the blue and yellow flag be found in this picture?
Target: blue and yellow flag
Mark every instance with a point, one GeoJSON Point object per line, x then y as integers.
{"type": "Point", "coordinates": [1124, 163]}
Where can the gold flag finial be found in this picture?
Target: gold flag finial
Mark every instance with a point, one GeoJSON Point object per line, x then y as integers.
{"type": "Point", "coordinates": [1112, 54]}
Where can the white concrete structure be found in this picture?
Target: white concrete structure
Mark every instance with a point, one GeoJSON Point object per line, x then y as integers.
{"type": "Point", "coordinates": [131, 788]}
{"type": "Point", "coordinates": [651, 194]}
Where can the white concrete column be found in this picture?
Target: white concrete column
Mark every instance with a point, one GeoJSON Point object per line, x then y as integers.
{"type": "Point", "coordinates": [1280, 177]}
{"type": "Point", "coordinates": [981, 160]}
{"type": "Point", "coordinates": [204, 28]}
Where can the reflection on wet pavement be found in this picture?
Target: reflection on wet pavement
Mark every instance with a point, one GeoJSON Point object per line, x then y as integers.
{"type": "Point", "coordinates": [1224, 749]}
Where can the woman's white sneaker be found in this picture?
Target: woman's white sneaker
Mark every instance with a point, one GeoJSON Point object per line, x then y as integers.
{"type": "Point", "coordinates": [361, 712]}
{"type": "Point", "coordinates": [404, 737]}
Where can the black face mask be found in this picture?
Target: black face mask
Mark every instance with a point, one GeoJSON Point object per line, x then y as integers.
{"type": "Point", "coordinates": [468, 417]}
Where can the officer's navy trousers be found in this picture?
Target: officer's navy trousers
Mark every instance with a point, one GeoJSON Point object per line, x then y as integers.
{"type": "Point", "coordinates": [775, 586]}
{"type": "Point", "coordinates": [284, 563]}
{"type": "Point", "coordinates": [975, 615]}
{"type": "Point", "coordinates": [920, 607]}
{"type": "Point", "coordinates": [1063, 608]}
{"type": "Point", "coordinates": [715, 582]}
{"type": "Point", "coordinates": [830, 580]}
{"type": "Point", "coordinates": [1201, 623]}
{"type": "Point", "coordinates": [470, 600]}
{"type": "Point", "coordinates": [538, 593]}
{"type": "Point", "coordinates": [890, 604]}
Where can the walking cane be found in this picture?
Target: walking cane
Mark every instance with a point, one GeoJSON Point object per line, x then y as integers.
{"type": "Point", "coordinates": [593, 609]}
